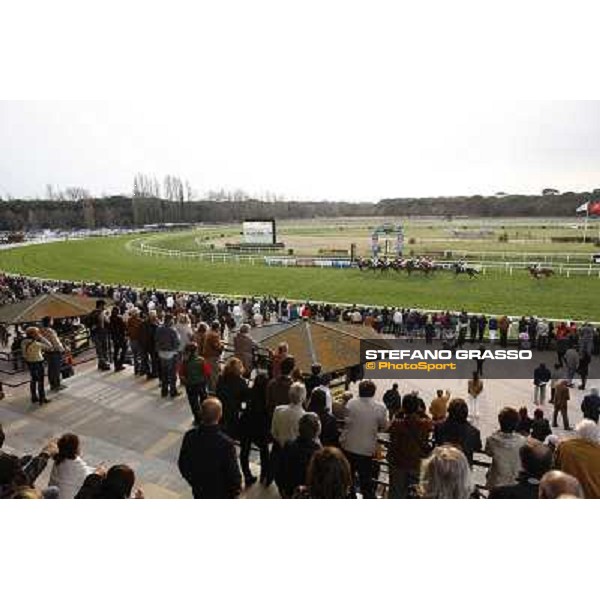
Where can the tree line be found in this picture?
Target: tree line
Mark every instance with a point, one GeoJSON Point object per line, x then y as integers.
{"type": "Point", "coordinates": [135, 211]}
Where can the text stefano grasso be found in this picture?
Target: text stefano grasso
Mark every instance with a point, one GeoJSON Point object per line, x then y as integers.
{"type": "Point", "coordinates": [384, 354]}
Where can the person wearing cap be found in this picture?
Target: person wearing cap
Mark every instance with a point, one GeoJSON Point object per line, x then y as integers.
{"type": "Point", "coordinates": [32, 348]}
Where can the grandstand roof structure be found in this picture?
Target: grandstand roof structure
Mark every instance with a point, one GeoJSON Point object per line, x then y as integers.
{"type": "Point", "coordinates": [56, 305]}
{"type": "Point", "coordinates": [335, 346]}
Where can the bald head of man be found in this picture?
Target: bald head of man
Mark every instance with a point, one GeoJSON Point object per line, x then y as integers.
{"type": "Point", "coordinates": [212, 410]}
{"type": "Point", "coordinates": [556, 484]}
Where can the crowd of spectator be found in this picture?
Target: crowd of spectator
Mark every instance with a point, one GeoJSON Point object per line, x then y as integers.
{"type": "Point", "coordinates": [472, 327]}
{"type": "Point", "coordinates": [309, 446]}
{"type": "Point", "coordinates": [408, 451]}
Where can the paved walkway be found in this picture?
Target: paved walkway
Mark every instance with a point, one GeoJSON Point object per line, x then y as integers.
{"type": "Point", "coordinates": [121, 418]}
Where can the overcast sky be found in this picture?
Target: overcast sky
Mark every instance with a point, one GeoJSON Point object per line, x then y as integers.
{"type": "Point", "coordinates": [340, 99]}
{"type": "Point", "coordinates": [308, 147]}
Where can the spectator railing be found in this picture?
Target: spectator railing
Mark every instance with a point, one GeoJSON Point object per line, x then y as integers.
{"type": "Point", "coordinates": [13, 369]}
{"type": "Point", "coordinates": [481, 463]}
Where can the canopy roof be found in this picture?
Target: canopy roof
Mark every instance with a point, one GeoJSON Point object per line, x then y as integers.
{"type": "Point", "coordinates": [336, 346]}
{"type": "Point", "coordinates": [58, 306]}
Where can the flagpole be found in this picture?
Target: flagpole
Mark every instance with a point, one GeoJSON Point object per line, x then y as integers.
{"type": "Point", "coordinates": [587, 214]}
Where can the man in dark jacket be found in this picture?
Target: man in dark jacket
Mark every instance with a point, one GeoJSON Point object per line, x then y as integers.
{"type": "Point", "coordinates": [590, 407]}
{"type": "Point", "coordinates": [167, 348]}
{"type": "Point", "coordinates": [583, 368]}
{"type": "Point", "coordinates": [295, 456]}
{"type": "Point", "coordinates": [118, 336]}
{"type": "Point", "coordinates": [481, 325]}
{"type": "Point", "coordinates": [473, 324]}
{"type": "Point", "coordinates": [207, 460]}
{"type": "Point", "coordinates": [456, 430]}
{"type": "Point", "coordinates": [279, 387]}
{"type": "Point", "coordinates": [147, 341]}
{"type": "Point", "coordinates": [536, 461]}
{"type": "Point", "coordinates": [314, 379]}
{"type": "Point", "coordinates": [540, 426]}
{"type": "Point", "coordinates": [541, 378]}
{"type": "Point", "coordinates": [392, 400]}
{"type": "Point", "coordinates": [98, 326]}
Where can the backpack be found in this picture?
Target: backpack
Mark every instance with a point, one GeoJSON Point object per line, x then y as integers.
{"type": "Point", "coordinates": [29, 350]}
{"type": "Point", "coordinates": [194, 371]}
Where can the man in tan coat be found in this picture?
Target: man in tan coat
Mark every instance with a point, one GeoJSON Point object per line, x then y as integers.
{"type": "Point", "coordinates": [580, 457]}
{"type": "Point", "coordinates": [561, 400]}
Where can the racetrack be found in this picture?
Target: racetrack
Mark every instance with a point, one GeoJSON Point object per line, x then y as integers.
{"type": "Point", "coordinates": [107, 260]}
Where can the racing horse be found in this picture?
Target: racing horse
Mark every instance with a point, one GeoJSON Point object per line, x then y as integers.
{"type": "Point", "coordinates": [364, 264]}
{"type": "Point", "coordinates": [538, 271]}
{"type": "Point", "coordinates": [373, 264]}
{"type": "Point", "coordinates": [461, 268]}
{"type": "Point", "coordinates": [411, 265]}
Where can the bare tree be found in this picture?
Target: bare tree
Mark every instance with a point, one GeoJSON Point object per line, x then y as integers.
{"type": "Point", "coordinates": [180, 192]}
{"type": "Point", "coordinates": [77, 193]}
{"type": "Point", "coordinates": [136, 186]}
{"type": "Point", "coordinates": [168, 187]}
{"type": "Point", "coordinates": [156, 187]}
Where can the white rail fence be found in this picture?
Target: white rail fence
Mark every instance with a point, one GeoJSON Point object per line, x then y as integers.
{"type": "Point", "coordinates": [511, 267]}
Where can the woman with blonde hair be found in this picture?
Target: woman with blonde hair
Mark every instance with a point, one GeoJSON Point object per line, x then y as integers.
{"type": "Point", "coordinates": [446, 475]}
{"type": "Point", "coordinates": [232, 390]}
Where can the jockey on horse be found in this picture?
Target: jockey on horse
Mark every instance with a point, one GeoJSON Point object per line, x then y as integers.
{"type": "Point", "coordinates": [461, 267]}
{"type": "Point", "coordinates": [538, 271]}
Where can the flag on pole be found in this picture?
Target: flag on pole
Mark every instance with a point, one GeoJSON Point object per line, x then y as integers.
{"type": "Point", "coordinates": [591, 208]}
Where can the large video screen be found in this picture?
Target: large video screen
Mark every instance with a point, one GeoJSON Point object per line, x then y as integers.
{"type": "Point", "coordinates": [259, 232]}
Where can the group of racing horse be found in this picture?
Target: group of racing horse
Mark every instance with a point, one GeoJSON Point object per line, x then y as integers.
{"type": "Point", "coordinates": [427, 266]}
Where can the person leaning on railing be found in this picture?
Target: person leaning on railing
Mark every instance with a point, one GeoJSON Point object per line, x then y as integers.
{"type": "Point", "coordinates": [53, 356]}
{"type": "Point", "coordinates": [32, 348]}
